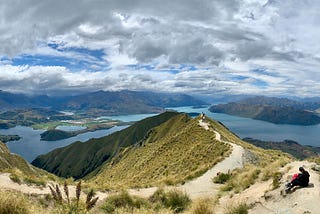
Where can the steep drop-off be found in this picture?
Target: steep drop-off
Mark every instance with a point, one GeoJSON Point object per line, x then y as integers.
{"type": "Point", "coordinates": [79, 159]}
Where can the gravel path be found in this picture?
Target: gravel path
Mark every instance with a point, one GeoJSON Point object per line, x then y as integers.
{"type": "Point", "coordinates": [203, 185]}
{"type": "Point", "coordinates": [199, 187]}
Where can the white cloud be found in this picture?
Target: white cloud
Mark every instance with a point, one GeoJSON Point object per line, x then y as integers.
{"type": "Point", "coordinates": [223, 39]}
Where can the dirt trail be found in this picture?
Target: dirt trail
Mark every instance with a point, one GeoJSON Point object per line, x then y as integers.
{"type": "Point", "coordinates": [199, 187]}
{"type": "Point", "coordinates": [203, 185]}
{"type": "Point", "coordinates": [267, 201]}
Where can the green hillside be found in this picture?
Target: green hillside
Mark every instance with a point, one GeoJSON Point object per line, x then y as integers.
{"type": "Point", "coordinates": [21, 170]}
{"type": "Point", "coordinates": [9, 161]}
{"type": "Point", "coordinates": [175, 151]}
{"type": "Point", "coordinates": [79, 159]}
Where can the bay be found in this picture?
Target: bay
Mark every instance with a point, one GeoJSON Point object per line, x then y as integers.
{"type": "Point", "coordinates": [30, 145]}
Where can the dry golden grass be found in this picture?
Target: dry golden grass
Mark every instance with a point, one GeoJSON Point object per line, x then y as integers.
{"type": "Point", "coordinates": [17, 203]}
{"type": "Point", "coordinates": [180, 155]}
{"type": "Point", "coordinates": [238, 208]}
{"type": "Point", "coordinates": [203, 206]}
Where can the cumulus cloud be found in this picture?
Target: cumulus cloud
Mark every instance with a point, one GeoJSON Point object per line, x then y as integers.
{"type": "Point", "coordinates": [184, 45]}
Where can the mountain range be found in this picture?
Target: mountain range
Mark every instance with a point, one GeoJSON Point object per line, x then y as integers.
{"type": "Point", "coordinates": [111, 102]}
{"type": "Point", "coordinates": [274, 110]}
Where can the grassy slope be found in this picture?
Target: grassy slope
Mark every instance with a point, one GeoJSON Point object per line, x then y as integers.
{"type": "Point", "coordinates": [79, 159]}
{"type": "Point", "coordinates": [10, 161]}
{"type": "Point", "coordinates": [175, 151]}
{"type": "Point", "coordinates": [21, 169]}
{"type": "Point", "coordinates": [259, 164]}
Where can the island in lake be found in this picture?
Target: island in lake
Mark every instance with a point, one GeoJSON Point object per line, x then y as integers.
{"type": "Point", "coordinates": [7, 138]}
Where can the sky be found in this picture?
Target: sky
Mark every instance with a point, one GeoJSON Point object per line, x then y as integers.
{"type": "Point", "coordinates": [205, 47]}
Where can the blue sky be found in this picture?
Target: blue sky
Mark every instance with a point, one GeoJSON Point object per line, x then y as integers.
{"type": "Point", "coordinates": [268, 47]}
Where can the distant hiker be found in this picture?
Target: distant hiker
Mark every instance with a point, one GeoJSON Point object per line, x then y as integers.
{"type": "Point", "coordinates": [302, 179]}
{"type": "Point", "coordinates": [203, 117]}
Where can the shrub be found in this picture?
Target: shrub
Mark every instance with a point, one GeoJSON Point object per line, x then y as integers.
{"type": "Point", "coordinates": [177, 200]}
{"type": "Point", "coordinates": [241, 208]}
{"type": "Point", "coordinates": [13, 204]}
{"type": "Point", "coordinates": [276, 180]}
{"type": "Point", "coordinates": [34, 181]}
{"type": "Point", "coordinates": [158, 196]}
{"type": "Point", "coordinates": [15, 178]}
{"type": "Point", "coordinates": [174, 199]}
{"type": "Point", "coordinates": [202, 207]}
{"type": "Point", "coordinates": [221, 178]}
{"type": "Point", "coordinates": [123, 200]}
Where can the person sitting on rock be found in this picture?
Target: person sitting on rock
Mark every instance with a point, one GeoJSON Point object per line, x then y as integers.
{"type": "Point", "coordinates": [301, 180]}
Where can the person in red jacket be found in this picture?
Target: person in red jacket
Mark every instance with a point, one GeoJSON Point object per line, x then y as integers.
{"type": "Point", "coordinates": [301, 180]}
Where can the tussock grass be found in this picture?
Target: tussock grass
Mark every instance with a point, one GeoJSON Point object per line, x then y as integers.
{"type": "Point", "coordinates": [222, 178]}
{"type": "Point", "coordinates": [12, 203]}
{"type": "Point", "coordinates": [203, 206]}
{"type": "Point", "coordinates": [175, 200]}
{"type": "Point", "coordinates": [240, 208]}
{"type": "Point", "coordinates": [262, 166]}
{"type": "Point", "coordinates": [124, 202]}
{"type": "Point", "coordinates": [276, 180]}
{"type": "Point", "coordinates": [243, 178]}
{"type": "Point", "coordinates": [174, 152]}
{"type": "Point", "coordinates": [16, 203]}
{"type": "Point", "coordinates": [20, 177]}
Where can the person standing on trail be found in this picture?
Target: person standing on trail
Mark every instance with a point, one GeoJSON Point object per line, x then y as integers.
{"type": "Point", "coordinates": [203, 117]}
{"type": "Point", "coordinates": [301, 180]}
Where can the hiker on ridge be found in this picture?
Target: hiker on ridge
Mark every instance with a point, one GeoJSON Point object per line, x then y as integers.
{"type": "Point", "coordinates": [302, 179]}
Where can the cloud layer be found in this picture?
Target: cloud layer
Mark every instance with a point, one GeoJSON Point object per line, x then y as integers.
{"type": "Point", "coordinates": [207, 47]}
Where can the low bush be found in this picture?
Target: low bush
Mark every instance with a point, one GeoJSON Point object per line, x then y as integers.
{"type": "Point", "coordinates": [13, 204]}
{"type": "Point", "coordinates": [15, 178]}
{"type": "Point", "coordinates": [123, 200]}
{"type": "Point", "coordinates": [221, 178]}
{"type": "Point", "coordinates": [34, 181]}
{"type": "Point", "coordinates": [276, 180]}
{"type": "Point", "coordinates": [241, 208]}
{"type": "Point", "coordinates": [174, 199]}
{"type": "Point", "coordinates": [203, 206]}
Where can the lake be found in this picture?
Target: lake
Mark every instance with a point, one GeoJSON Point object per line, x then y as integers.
{"type": "Point", "coordinates": [30, 146]}
{"type": "Point", "coordinates": [246, 127]}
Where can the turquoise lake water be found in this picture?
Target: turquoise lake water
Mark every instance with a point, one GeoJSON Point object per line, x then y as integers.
{"type": "Point", "coordinates": [30, 146]}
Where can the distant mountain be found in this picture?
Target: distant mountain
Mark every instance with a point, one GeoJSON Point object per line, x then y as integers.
{"type": "Point", "coordinates": [274, 110]}
{"type": "Point", "coordinates": [128, 102]}
{"type": "Point", "coordinates": [79, 159]}
{"type": "Point", "coordinates": [304, 104]}
{"type": "Point", "coordinates": [104, 102]}
{"type": "Point", "coordinates": [289, 146]}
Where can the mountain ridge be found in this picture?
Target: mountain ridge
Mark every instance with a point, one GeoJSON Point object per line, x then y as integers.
{"type": "Point", "coordinates": [274, 110]}
{"type": "Point", "coordinates": [95, 151]}
{"type": "Point", "coordinates": [114, 102]}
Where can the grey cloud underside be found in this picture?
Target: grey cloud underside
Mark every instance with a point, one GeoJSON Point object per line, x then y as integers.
{"type": "Point", "coordinates": [165, 29]}
{"type": "Point", "coordinates": [230, 37]}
